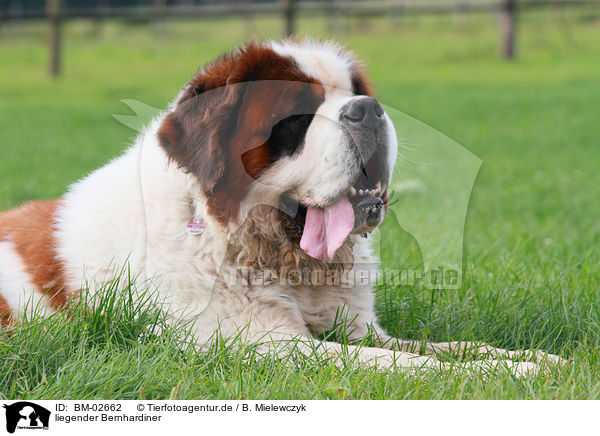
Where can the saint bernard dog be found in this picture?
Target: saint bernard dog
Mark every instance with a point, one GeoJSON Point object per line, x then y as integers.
{"type": "Point", "coordinates": [275, 158]}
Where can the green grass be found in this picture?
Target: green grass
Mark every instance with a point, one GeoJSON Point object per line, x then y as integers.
{"type": "Point", "coordinates": [532, 236]}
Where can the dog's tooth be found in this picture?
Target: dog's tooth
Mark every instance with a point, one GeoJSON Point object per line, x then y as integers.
{"type": "Point", "coordinates": [361, 192]}
{"type": "Point", "coordinates": [352, 191]}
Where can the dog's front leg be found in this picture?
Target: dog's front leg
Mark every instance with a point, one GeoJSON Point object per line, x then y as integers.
{"type": "Point", "coordinates": [363, 324]}
{"type": "Point", "coordinates": [463, 349]}
{"type": "Point", "coordinates": [369, 329]}
{"type": "Point", "coordinates": [315, 351]}
{"type": "Point", "coordinates": [459, 350]}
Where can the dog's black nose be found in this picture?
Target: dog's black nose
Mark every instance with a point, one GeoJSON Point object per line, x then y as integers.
{"type": "Point", "coordinates": [364, 110]}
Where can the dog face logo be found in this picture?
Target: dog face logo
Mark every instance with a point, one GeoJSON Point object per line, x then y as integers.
{"type": "Point", "coordinates": [26, 415]}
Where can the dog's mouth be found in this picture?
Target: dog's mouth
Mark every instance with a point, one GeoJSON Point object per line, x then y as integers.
{"type": "Point", "coordinates": [359, 209]}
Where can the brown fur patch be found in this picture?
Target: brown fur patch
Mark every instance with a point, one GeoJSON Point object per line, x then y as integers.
{"type": "Point", "coordinates": [4, 313]}
{"type": "Point", "coordinates": [30, 228]}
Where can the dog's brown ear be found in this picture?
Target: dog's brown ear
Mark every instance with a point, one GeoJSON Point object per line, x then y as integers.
{"type": "Point", "coordinates": [219, 128]}
{"type": "Point", "coordinates": [197, 134]}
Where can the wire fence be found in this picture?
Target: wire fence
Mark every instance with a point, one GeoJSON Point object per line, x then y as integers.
{"type": "Point", "coordinates": [11, 10]}
{"type": "Point", "coordinates": [57, 11]}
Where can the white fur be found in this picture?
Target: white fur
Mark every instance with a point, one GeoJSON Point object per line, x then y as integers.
{"type": "Point", "coordinates": [327, 61]}
{"type": "Point", "coordinates": [135, 211]}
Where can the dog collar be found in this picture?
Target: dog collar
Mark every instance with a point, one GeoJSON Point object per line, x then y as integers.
{"type": "Point", "coordinates": [196, 226]}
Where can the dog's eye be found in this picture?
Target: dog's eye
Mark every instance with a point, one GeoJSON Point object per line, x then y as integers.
{"type": "Point", "coordinates": [359, 87]}
{"type": "Point", "coordinates": [288, 135]}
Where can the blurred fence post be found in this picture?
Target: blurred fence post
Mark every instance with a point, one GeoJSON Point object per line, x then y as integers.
{"type": "Point", "coordinates": [249, 25]}
{"type": "Point", "coordinates": [54, 13]}
{"type": "Point", "coordinates": [4, 11]}
{"type": "Point", "coordinates": [337, 16]}
{"type": "Point", "coordinates": [396, 15]}
{"type": "Point", "coordinates": [462, 13]}
{"type": "Point", "coordinates": [101, 9]}
{"type": "Point", "coordinates": [509, 9]}
{"type": "Point", "coordinates": [289, 16]}
{"type": "Point", "coordinates": [330, 11]}
{"type": "Point", "coordinates": [160, 8]}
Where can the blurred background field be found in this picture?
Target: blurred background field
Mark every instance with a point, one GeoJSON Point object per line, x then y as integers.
{"type": "Point", "coordinates": [532, 236]}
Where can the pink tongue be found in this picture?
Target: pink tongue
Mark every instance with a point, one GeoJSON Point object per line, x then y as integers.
{"type": "Point", "coordinates": [325, 230]}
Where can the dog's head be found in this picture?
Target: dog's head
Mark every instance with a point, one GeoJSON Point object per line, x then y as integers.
{"type": "Point", "coordinates": [293, 125]}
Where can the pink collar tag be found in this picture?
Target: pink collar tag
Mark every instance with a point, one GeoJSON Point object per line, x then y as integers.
{"type": "Point", "coordinates": [195, 227]}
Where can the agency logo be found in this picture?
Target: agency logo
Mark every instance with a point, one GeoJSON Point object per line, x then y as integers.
{"type": "Point", "coordinates": [26, 415]}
